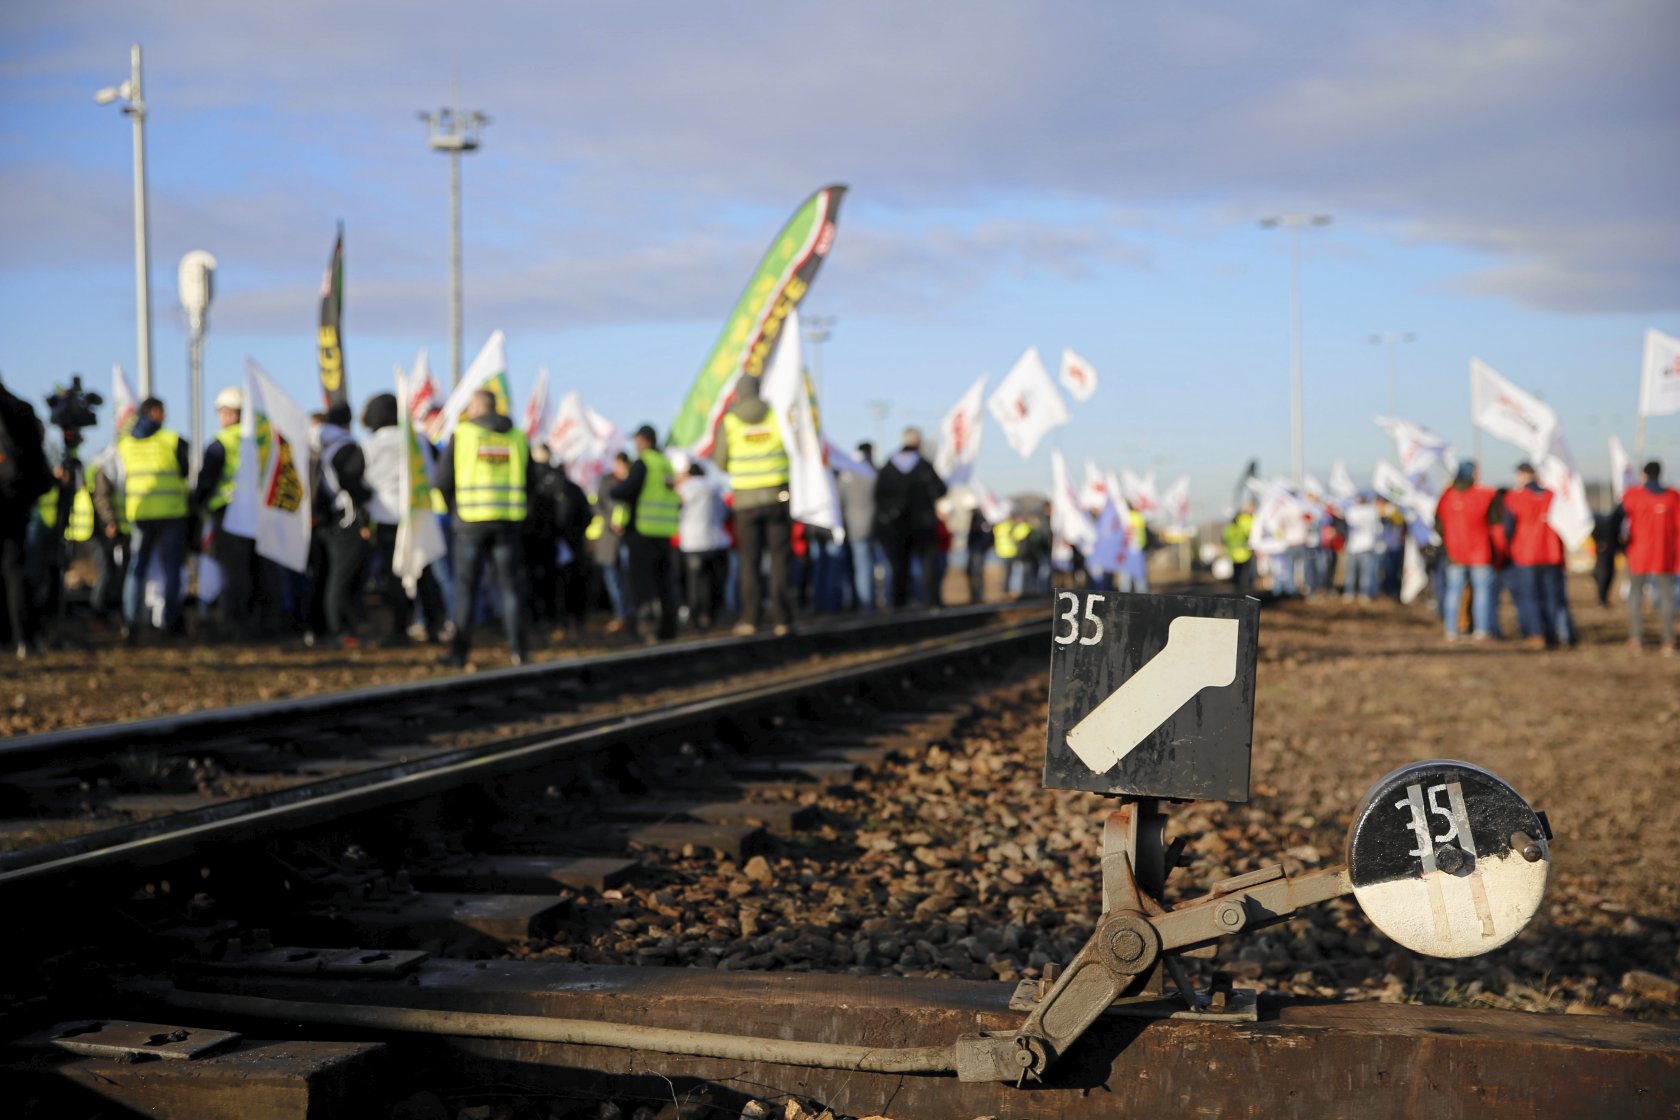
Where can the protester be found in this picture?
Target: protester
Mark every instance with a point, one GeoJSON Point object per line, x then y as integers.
{"type": "Point", "coordinates": [1238, 549]}
{"type": "Point", "coordinates": [704, 543]}
{"type": "Point", "coordinates": [1653, 554]}
{"type": "Point", "coordinates": [152, 461]}
{"type": "Point", "coordinates": [1607, 542]}
{"type": "Point", "coordinates": [341, 521]}
{"type": "Point", "coordinates": [906, 521]}
{"type": "Point", "coordinates": [570, 508]}
{"type": "Point", "coordinates": [385, 453]}
{"type": "Point", "coordinates": [750, 448]}
{"type": "Point", "coordinates": [1536, 571]}
{"type": "Point", "coordinates": [1462, 520]}
{"type": "Point", "coordinates": [484, 476]}
{"type": "Point", "coordinates": [606, 543]}
{"type": "Point", "coordinates": [1363, 545]}
{"type": "Point", "coordinates": [1011, 544]}
{"type": "Point", "coordinates": [649, 488]}
{"type": "Point", "coordinates": [979, 544]}
{"type": "Point", "coordinates": [24, 477]}
{"type": "Point", "coordinates": [235, 554]}
{"type": "Point", "coordinates": [857, 512]}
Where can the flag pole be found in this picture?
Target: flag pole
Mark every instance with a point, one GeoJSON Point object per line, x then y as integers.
{"type": "Point", "coordinates": [1639, 439]}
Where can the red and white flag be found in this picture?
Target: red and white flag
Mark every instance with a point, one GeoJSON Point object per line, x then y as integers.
{"type": "Point", "coordinates": [1069, 524]}
{"type": "Point", "coordinates": [1078, 376]}
{"type": "Point", "coordinates": [584, 441]}
{"type": "Point", "coordinates": [422, 390]}
{"type": "Point", "coordinates": [1506, 412]}
{"type": "Point", "coordinates": [1026, 404]}
{"type": "Point", "coordinates": [1418, 447]}
{"type": "Point", "coordinates": [959, 436]}
{"type": "Point", "coordinates": [1659, 384]}
{"type": "Point", "coordinates": [1140, 492]}
{"type": "Point", "coordinates": [1175, 503]}
{"type": "Point", "coordinates": [536, 406]}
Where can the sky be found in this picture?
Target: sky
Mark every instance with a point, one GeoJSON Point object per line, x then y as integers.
{"type": "Point", "coordinates": [1501, 176]}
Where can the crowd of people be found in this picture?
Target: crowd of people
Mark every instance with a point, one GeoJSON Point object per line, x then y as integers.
{"type": "Point", "coordinates": [652, 549]}
{"type": "Point", "coordinates": [1484, 542]}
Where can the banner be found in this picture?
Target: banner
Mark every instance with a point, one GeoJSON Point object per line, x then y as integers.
{"type": "Point", "coordinates": [1622, 476]}
{"type": "Point", "coordinates": [1417, 446]}
{"type": "Point", "coordinates": [583, 441]}
{"type": "Point", "coordinates": [488, 371]}
{"type": "Point", "coordinates": [422, 390]}
{"type": "Point", "coordinates": [1505, 412]}
{"type": "Point", "coordinates": [1026, 405]}
{"type": "Point", "coordinates": [813, 496]}
{"type": "Point", "coordinates": [1659, 383]}
{"type": "Point", "coordinates": [749, 336]}
{"type": "Point", "coordinates": [419, 536]}
{"type": "Point", "coordinates": [1069, 524]}
{"type": "Point", "coordinates": [536, 406]}
{"type": "Point", "coordinates": [1078, 376]}
{"type": "Point", "coordinates": [959, 436]}
{"type": "Point", "coordinates": [335, 387]}
{"type": "Point", "coordinates": [271, 501]}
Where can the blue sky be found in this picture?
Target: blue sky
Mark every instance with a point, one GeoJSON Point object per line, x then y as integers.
{"type": "Point", "coordinates": [1053, 174]}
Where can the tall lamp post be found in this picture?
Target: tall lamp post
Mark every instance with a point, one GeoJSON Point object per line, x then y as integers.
{"type": "Point", "coordinates": [1392, 340]}
{"type": "Point", "coordinates": [134, 104]}
{"type": "Point", "coordinates": [454, 132]}
{"type": "Point", "coordinates": [1293, 223]}
{"type": "Point", "coordinates": [195, 280]}
{"type": "Point", "coordinates": [818, 330]}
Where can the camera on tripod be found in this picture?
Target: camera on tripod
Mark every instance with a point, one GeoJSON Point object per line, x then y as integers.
{"type": "Point", "coordinates": [72, 407]}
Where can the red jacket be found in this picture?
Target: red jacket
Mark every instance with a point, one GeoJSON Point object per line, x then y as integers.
{"type": "Point", "coordinates": [1463, 515]}
{"type": "Point", "coordinates": [1653, 531]}
{"type": "Point", "coordinates": [1533, 541]}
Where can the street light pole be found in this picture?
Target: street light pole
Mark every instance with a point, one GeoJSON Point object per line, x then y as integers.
{"type": "Point", "coordinates": [818, 330]}
{"type": "Point", "coordinates": [1393, 339]}
{"type": "Point", "coordinates": [454, 132]}
{"type": "Point", "coordinates": [134, 104]}
{"type": "Point", "coordinates": [1293, 223]}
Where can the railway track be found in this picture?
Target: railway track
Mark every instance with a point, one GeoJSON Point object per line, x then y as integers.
{"type": "Point", "coordinates": [432, 914]}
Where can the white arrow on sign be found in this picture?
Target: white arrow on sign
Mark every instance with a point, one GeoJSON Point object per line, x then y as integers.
{"type": "Point", "coordinates": [1200, 653]}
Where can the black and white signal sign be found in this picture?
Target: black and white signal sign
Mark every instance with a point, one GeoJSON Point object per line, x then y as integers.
{"type": "Point", "coordinates": [1152, 695]}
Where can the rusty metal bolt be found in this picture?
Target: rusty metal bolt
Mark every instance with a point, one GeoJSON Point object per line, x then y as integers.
{"type": "Point", "coordinates": [1127, 944]}
{"type": "Point", "coordinates": [1449, 858]}
{"type": "Point", "coordinates": [1520, 842]}
{"type": "Point", "coordinates": [1230, 916]}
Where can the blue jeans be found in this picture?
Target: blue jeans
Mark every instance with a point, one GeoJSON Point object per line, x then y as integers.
{"type": "Point", "coordinates": [861, 551]}
{"type": "Point", "coordinates": [499, 545]}
{"type": "Point", "coordinates": [612, 577]}
{"type": "Point", "coordinates": [1283, 573]}
{"type": "Point", "coordinates": [1361, 574]}
{"type": "Point", "coordinates": [167, 540]}
{"type": "Point", "coordinates": [1482, 581]}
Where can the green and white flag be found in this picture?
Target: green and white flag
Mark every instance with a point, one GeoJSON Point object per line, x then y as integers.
{"type": "Point", "coordinates": [749, 335]}
{"type": "Point", "coordinates": [419, 536]}
{"type": "Point", "coordinates": [488, 371]}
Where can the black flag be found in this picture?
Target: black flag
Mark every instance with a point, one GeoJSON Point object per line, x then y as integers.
{"type": "Point", "coordinates": [334, 387]}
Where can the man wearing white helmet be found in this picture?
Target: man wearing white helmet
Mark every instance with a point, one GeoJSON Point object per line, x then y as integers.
{"type": "Point", "coordinates": [234, 554]}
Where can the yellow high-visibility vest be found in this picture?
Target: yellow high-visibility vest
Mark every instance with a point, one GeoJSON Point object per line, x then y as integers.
{"type": "Point", "coordinates": [489, 474]}
{"type": "Point", "coordinates": [153, 488]}
{"type": "Point", "coordinates": [228, 437]}
{"type": "Point", "coordinates": [1236, 538]}
{"type": "Point", "coordinates": [1007, 537]}
{"type": "Point", "coordinates": [80, 526]}
{"type": "Point", "coordinates": [656, 505]}
{"type": "Point", "coordinates": [758, 459]}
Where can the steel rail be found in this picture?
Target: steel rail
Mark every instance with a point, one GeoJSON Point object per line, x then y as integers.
{"type": "Point", "coordinates": [180, 835]}
{"type": "Point", "coordinates": [96, 741]}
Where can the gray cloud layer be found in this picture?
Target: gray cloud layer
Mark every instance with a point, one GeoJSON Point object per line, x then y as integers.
{"type": "Point", "coordinates": [640, 150]}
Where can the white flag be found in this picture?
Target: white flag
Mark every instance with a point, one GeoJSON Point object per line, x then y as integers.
{"type": "Point", "coordinates": [1414, 574]}
{"type": "Point", "coordinates": [271, 502]}
{"type": "Point", "coordinates": [1341, 482]}
{"type": "Point", "coordinates": [488, 371]}
{"type": "Point", "coordinates": [1026, 405]}
{"type": "Point", "coordinates": [1622, 477]}
{"type": "Point", "coordinates": [1395, 485]}
{"type": "Point", "coordinates": [1140, 492]}
{"type": "Point", "coordinates": [1418, 447]}
{"type": "Point", "coordinates": [1569, 515]}
{"type": "Point", "coordinates": [124, 403]}
{"type": "Point", "coordinates": [813, 496]}
{"type": "Point", "coordinates": [1506, 412]}
{"type": "Point", "coordinates": [419, 536]}
{"type": "Point", "coordinates": [1094, 494]}
{"type": "Point", "coordinates": [1659, 385]}
{"type": "Point", "coordinates": [1068, 522]}
{"type": "Point", "coordinates": [993, 508]}
{"type": "Point", "coordinates": [1175, 503]}
{"type": "Point", "coordinates": [1078, 376]}
{"type": "Point", "coordinates": [584, 441]}
{"type": "Point", "coordinates": [536, 407]}
{"type": "Point", "coordinates": [959, 436]}
{"type": "Point", "coordinates": [422, 390]}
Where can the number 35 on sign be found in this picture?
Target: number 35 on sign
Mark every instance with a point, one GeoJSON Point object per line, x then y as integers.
{"type": "Point", "coordinates": [1151, 695]}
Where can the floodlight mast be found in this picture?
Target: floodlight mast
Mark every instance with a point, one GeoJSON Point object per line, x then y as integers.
{"type": "Point", "coordinates": [454, 132]}
{"type": "Point", "coordinates": [1293, 223]}
{"type": "Point", "coordinates": [134, 104]}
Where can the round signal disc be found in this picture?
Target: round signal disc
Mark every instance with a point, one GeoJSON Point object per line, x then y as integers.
{"type": "Point", "coordinates": [1447, 859]}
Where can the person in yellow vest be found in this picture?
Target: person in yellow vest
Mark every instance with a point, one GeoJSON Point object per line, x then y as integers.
{"type": "Point", "coordinates": [236, 555]}
{"type": "Point", "coordinates": [152, 461]}
{"type": "Point", "coordinates": [648, 487]}
{"type": "Point", "coordinates": [1134, 571]}
{"type": "Point", "coordinates": [749, 446]}
{"type": "Point", "coordinates": [606, 543]}
{"type": "Point", "coordinates": [1241, 553]}
{"type": "Point", "coordinates": [63, 519]}
{"type": "Point", "coordinates": [484, 476]}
